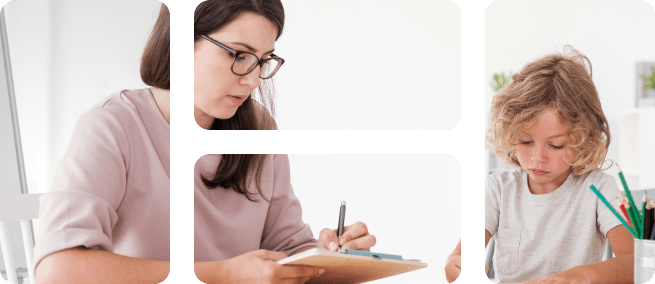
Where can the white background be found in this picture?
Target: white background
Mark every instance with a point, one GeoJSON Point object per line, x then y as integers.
{"type": "Point", "coordinates": [379, 64]}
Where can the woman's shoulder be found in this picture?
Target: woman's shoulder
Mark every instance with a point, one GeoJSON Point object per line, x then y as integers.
{"type": "Point", "coordinates": [122, 107]}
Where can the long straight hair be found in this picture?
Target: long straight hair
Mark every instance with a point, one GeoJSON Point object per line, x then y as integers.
{"type": "Point", "coordinates": [211, 16]}
{"type": "Point", "coordinates": [155, 61]}
{"type": "Point", "coordinates": [234, 172]}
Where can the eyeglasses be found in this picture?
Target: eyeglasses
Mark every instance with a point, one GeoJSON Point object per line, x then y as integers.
{"type": "Point", "coordinates": [245, 62]}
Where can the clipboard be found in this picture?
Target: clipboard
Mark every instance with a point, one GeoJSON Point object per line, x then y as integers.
{"type": "Point", "coordinates": [351, 268]}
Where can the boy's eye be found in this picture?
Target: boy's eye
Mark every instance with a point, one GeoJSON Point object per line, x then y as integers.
{"type": "Point", "coordinates": [554, 147]}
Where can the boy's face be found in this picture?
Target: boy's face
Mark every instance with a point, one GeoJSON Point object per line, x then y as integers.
{"type": "Point", "coordinates": [542, 151]}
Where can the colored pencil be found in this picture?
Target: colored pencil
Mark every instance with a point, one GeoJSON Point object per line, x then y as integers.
{"type": "Point", "coordinates": [634, 220]}
{"type": "Point", "coordinates": [624, 201]}
{"type": "Point", "coordinates": [602, 198]}
{"type": "Point", "coordinates": [644, 225]}
{"type": "Point", "coordinates": [652, 205]}
{"type": "Point", "coordinates": [629, 195]}
{"type": "Point", "coordinates": [648, 220]}
{"type": "Point", "coordinates": [625, 213]}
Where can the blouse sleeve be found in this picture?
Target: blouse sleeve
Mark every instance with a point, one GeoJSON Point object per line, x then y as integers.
{"type": "Point", "coordinates": [284, 230]}
{"type": "Point", "coordinates": [88, 187]}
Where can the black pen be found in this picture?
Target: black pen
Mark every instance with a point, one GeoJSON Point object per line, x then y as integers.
{"type": "Point", "coordinates": [342, 219]}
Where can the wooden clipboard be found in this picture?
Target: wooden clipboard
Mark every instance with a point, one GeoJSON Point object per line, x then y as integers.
{"type": "Point", "coordinates": [348, 268]}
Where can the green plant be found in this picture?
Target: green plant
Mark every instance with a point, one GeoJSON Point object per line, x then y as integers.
{"type": "Point", "coordinates": [500, 80]}
{"type": "Point", "coordinates": [650, 81]}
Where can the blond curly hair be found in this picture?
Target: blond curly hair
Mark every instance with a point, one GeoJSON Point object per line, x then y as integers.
{"type": "Point", "coordinates": [561, 83]}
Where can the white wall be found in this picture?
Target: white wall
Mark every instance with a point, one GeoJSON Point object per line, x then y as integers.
{"type": "Point", "coordinates": [374, 65]}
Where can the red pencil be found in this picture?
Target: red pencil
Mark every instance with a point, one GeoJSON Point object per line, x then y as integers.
{"type": "Point", "coordinates": [625, 213]}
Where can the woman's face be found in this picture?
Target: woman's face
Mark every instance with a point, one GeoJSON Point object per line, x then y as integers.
{"type": "Point", "coordinates": [218, 92]}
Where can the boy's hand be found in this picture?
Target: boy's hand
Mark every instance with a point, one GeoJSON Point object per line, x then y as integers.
{"type": "Point", "coordinates": [568, 276]}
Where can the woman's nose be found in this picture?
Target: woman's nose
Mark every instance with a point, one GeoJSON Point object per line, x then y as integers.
{"type": "Point", "coordinates": [252, 79]}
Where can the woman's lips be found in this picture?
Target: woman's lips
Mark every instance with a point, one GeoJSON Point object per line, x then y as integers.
{"type": "Point", "coordinates": [236, 100]}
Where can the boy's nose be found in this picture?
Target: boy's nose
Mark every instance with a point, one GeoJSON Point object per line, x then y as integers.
{"type": "Point", "coordinates": [539, 156]}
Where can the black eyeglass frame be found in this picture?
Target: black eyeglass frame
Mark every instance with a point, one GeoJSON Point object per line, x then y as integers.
{"type": "Point", "coordinates": [236, 54]}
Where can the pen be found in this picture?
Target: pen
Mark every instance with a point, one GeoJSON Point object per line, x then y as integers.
{"type": "Point", "coordinates": [342, 219]}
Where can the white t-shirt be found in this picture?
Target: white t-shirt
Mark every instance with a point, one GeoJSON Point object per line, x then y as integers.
{"type": "Point", "coordinates": [543, 234]}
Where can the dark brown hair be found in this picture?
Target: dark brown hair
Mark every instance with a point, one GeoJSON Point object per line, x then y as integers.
{"type": "Point", "coordinates": [211, 16]}
{"type": "Point", "coordinates": [155, 61]}
{"type": "Point", "coordinates": [557, 82]}
{"type": "Point", "coordinates": [234, 172]}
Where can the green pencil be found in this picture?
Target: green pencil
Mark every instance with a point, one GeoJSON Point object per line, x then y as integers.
{"type": "Point", "coordinates": [602, 198]}
{"type": "Point", "coordinates": [631, 213]}
{"type": "Point", "coordinates": [629, 195]}
{"type": "Point", "coordinates": [643, 216]}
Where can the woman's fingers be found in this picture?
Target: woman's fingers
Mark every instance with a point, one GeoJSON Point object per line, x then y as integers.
{"type": "Point", "coordinates": [299, 272]}
{"type": "Point", "coordinates": [352, 232]}
{"type": "Point", "coordinates": [327, 239]}
{"type": "Point", "coordinates": [361, 243]}
{"type": "Point", "coordinates": [270, 255]}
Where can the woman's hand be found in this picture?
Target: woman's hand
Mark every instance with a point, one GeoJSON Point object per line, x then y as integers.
{"type": "Point", "coordinates": [453, 267]}
{"type": "Point", "coordinates": [259, 267]}
{"type": "Point", "coordinates": [354, 237]}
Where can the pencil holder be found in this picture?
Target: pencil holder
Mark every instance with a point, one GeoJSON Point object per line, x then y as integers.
{"type": "Point", "coordinates": [644, 260]}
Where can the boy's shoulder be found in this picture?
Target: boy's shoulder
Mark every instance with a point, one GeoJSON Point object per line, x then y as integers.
{"type": "Point", "coordinates": [504, 179]}
{"type": "Point", "coordinates": [594, 177]}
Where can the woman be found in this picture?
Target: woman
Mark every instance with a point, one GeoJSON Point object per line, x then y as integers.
{"type": "Point", "coordinates": [246, 220]}
{"type": "Point", "coordinates": [233, 54]}
{"type": "Point", "coordinates": [106, 219]}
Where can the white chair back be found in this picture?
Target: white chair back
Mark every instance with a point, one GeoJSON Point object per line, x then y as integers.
{"type": "Point", "coordinates": [21, 207]}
